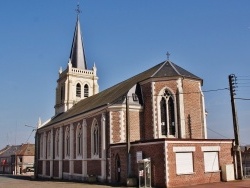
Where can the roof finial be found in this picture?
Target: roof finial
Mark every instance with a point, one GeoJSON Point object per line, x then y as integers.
{"type": "Point", "coordinates": [78, 10]}
{"type": "Point", "coordinates": [168, 54]}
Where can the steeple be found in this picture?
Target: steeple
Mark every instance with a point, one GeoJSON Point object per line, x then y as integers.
{"type": "Point", "coordinates": [77, 55]}
{"type": "Point", "coordinates": [76, 82]}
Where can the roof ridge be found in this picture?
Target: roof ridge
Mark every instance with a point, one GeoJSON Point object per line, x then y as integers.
{"type": "Point", "coordinates": [172, 65]}
{"type": "Point", "coordinates": [163, 63]}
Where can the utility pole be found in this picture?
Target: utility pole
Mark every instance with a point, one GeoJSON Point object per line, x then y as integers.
{"type": "Point", "coordinates": [237, 150]}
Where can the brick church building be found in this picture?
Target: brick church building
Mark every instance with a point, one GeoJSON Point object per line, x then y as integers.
{"type": "Point", "coordinates": [156, 117]}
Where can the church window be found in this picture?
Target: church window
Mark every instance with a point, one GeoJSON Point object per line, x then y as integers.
{"type": "Point", "coordinates": [167, 114]}
{"type": "Point", "coordinates": [67, 142]}
{"type": "Point", "coordinates": [78, 90]}
{"type": "Point", "coordinates": [48, 144]}
{"type": "Point", "coordinates": [95, 139]}
{"type": "Point", "coordinates": [57, 143]}
{"type": "Point", "coordinates": [86, 90]}
{"type": "Point", "coordinates": [79, 140]}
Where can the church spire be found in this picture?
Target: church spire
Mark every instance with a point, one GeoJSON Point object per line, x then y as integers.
{"type": "Point", "coordinates": [77, 55]}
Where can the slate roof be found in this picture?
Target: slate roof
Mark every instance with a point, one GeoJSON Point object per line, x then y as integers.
{"type": "Point", "coordinates": [108, 96]}
{"type": "Point", "coordinates": [11, 150]}
{"type": "Point", "coordinates": [77, 54]}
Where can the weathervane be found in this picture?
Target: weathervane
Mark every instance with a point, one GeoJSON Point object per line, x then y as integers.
{"type": "Point", "coordinates": [168, 54]}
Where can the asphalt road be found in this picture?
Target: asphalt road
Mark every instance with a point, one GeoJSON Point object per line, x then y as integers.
{"type": "Point", "coordinates": [27, 182]}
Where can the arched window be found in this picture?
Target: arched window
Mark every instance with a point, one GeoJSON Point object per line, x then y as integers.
{"type": "Point", "coordinates": [95, 139]}
{"type": "Point", "coordinates": [167, 114]}
{"type": "Point", "coordinates": [48, 144]}
{"type": "Point", "coordinates": [67, 142]}
{"type": "Point", "coordinates": [78, 90]}
{"type": "Point", "coordinates": [79, 140]}
{"type": "Point", "coordinates": [57, 143]}
{"type": "Point", "coordinates": [86, 90]}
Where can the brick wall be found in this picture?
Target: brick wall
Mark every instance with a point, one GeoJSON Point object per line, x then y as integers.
{"type": "Point", "coordinates": [47, 168]}
{"type": "Point", "coordinates": [193, 109]}
{"type": "Point", "coordinates": [116, 129]}
{"type": "Point", "coordinates": [56, 169]}
{"type": "Point", "coordinates": [148, 132]}
{"type": "Point", "coordinates": [94, 167]}
{"type": "Point", "coordinates": [78, 167]}
{"type": "Point", "coordinates": [153, 150]}
{"type": "Point", "coordinates": [199, 176]}
{"type": "Point", "coordinates": [40, 167]}
{"type": "Point", "coordinates": [66, 166]}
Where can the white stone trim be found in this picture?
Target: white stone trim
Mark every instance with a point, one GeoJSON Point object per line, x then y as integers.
{"type": "Point", "coordinates": [122, 126]}
{"type": "Point", "coordinates": [111, 128]}
{"type": "Point", "coordinates": [166, 163]}
{"type": "Point", "coordinates": [84, 148]}
{"type": "Point", "coordinates": [159, 97]}
{"type": "Point", "coordinates": [181, 108]}
{"type": "Point", "coordinates": [71, 164]}
{"type": "Point", "coordinates": [103, 148]}
{"type": "Point", "coordinates": [184, 149]}
{"type": "Point", "coordinates": [60, 152]}
{"type": "Point", "coordinates": [203, 112]}
{"type": "Point", "coordinates": [154, 117]}
{"type": "Point", "coordinates": [210, 148]}
{"type": "Point", "coordinates": [204, 141]}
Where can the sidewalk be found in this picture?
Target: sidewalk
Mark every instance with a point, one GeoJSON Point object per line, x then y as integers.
{"type": "Point", "coordinates": [234, 184]}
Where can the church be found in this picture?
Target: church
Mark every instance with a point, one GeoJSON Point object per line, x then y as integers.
{"type": "Point", "coordinates": [148, 130]}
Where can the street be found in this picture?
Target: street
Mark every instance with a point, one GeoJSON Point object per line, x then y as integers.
{"type": "Point", "coordinates": [27, 182]}
{"type": "Point", "coordinates": [10, 181]}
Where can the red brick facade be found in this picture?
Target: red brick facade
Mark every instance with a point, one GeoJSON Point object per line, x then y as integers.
{"type": "Point", "coordinates": [102, 139]}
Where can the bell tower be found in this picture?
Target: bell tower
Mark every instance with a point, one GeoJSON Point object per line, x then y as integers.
{"type": "Point", "coordinates": [76, 82]}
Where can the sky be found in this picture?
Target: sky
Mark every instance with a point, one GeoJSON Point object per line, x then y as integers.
{"type": "Point", "coordinates": [209, 38]}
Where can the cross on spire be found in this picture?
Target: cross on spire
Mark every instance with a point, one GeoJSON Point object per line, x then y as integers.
{"type": "Point", "coordinates": [168, 55]}
{"type": "Point", "coordinates": [78, 10]}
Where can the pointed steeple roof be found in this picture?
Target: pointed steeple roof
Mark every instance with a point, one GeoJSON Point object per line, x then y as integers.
{"type": "Point", "coordinates": [77, 55]}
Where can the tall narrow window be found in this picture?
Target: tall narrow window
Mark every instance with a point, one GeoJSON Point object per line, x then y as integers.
{"type": "Point", "coordinates": [57, 143]}
{"type": "Point", "coordinates": [86, 90]}
{"type": "Point", "coordinates": [167, 114]}
{"type": "Point", "coordinates": [95, 139]}
{"type": "Point", "coordinates": [67, 142]}
{"type": "Point", "coordinates": [78, 90]}
{"type": "Point", "coordinates": [79, 140]}
{"type": "Point", "coordinates": [48, 145]}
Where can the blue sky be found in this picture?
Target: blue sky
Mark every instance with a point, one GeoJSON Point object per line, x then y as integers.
{"type": "Point", "coordinates": [209, 38]}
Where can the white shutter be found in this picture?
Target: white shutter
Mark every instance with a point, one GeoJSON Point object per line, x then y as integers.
{"type": "Point", "coordinates": [211, 161]}
{"type": "Point", "coordinates": [184, 163]}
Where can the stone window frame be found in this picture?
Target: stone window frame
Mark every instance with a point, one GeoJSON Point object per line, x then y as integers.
{"type": "Point", "coordinates": [79, 141]}
{"type": "Point", "coordinates": [67, 143]}
{"type": "Point", "coordinates": [167, 93]}
{"type": "Point", "coordinates": [95, 139]}
{"type": "Point", "coordinates": [48, 144]}
{"type": "Point", "coordinates": [86, 90]}
{"type": "Point", "coordinates": [78, 90]}
{"type": "Point", "coordinates": [57, 143]}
